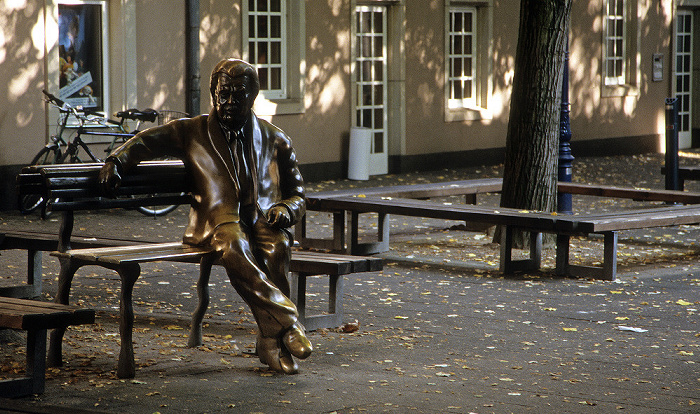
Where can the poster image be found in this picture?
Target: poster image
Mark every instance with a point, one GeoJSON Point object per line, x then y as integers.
{"type": "Point", "coordinates": [80, 55]}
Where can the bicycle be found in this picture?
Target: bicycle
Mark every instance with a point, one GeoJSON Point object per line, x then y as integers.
{"type": "Point", "coordinates": [52, 153]}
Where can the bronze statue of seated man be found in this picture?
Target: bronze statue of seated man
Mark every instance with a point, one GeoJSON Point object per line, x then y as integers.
{"type": "Point", "coordinates": [247, 191]}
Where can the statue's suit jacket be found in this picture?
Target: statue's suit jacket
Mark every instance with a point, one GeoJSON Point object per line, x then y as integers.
{"type": "Point", "coordinates": [202, 146]}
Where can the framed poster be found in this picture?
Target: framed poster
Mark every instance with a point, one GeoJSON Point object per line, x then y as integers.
{"type": "Point", "coordinates": [81, 33]}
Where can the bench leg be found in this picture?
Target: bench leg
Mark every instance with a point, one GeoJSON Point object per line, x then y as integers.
{"type": "Point", "coordinates": [382, 244]}
{"type": "Point", "coordinates": [336, 244]}
{"type": "Point", "coordinates": [334, 317]}
{"type": "Point", "coordinates": [33, 287]}
{"type": "Point", "coordinates": [508, 265]}
{"type": "Point", "coordinates": [126, 367]}
{"type": "Point", "coordinates": [34, 272]}
{"type": "Point", "coordinates": [65, 278]}
{"type": "Point", "coordinates": [562, 261]}
{"type": "Point", "coordinates": [36, 359]}
{"type": "Point", "coordinates": [195, 338]}
{"type": "Point", "coordinates": [335, 299]}
{"type": "Point", "coordinates": [610, 255]}
{"type": "Point", "coordinates": [607, 272]}
{"type": "Point", "coordinates": [298, 294]}
{"type": "Point", "coordinates": [33, 382]}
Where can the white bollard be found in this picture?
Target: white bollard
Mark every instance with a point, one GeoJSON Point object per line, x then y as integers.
{"type": "Point", "coordinates": [358, 158]}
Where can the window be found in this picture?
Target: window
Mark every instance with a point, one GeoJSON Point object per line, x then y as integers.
{"type": "Point", "coordinates": [274, 42]}
{"type": "Point", "coordinates": [461, 56]}
{"type": "Point", "coordinates": [621, 44]}
{"type": "Point", "coordinates": [615, 40]}
{"type": "Point", "coordinates": [266, 45]}
{"type": "Point", "coordinates": [468, 66]}
{"type": "Point", "coordinates": [82, 54]}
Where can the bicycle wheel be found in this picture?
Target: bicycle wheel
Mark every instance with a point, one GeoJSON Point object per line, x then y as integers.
{"type": "Point", "coordinates": [48, 155]}
{"type": "Point", "coordinates": [156, 211]}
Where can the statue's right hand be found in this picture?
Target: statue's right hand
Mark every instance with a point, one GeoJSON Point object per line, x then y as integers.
{"type": "Point", "coordinates": [109, 179]}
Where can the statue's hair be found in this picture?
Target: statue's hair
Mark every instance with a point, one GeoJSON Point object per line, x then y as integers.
{"type": "Point", "coordinates": [235, 68]}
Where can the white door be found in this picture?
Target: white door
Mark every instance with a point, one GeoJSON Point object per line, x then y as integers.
{"type": "Point", "coordinates": [370, 78]}
{"type": "Point", "coordinates": [684, 75]}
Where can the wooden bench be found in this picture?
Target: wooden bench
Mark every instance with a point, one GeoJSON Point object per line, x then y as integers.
{"type": "Point", "coordinates": [470, 189]}
{"type": "Point", "coordinates": [638, 194]}
{"type": "Point", "coordinates": [74, 187]}
{"type": "Point", "coordinates": [564, 226]}
{"type": "Point", "coordinates": [685, 173]}
{"type": "Point", "coordinates": [36, 318]}
{"type": "Point", "coordinates": [34, 243]}
{"type": "Point", "coordinates": [340, 242]}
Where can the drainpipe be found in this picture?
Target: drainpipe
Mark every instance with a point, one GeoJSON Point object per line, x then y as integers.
{"type": "Point", "coordinates": [192, 58]}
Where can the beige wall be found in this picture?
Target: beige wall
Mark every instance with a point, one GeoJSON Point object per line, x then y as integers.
{"type": "Point", "coordinates": [595, 116]}
{"type": "Point", "coordinates": [160, 54]}
{"type": "Point", "coordinates": [22, 75]}
{"type": "Point", "coordinates": [147, 64]}
{"type": "Point", "coordinates": [320, 133]}
{"type": "Point", "coordinates": [425, 81]}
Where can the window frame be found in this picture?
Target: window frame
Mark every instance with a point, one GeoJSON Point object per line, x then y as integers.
{"type": "Point", "coordinates": [452, 56]}
{"type": "Point", "coordinates": [613, 57]}
{"type": "Point", "coordinates": [627, 84]}
{"type": "Point", "coordinates": [54, 71]}
{"type": "Point", "coordinates": [260, 40]}
{"type": "Point", "coordinates": [478, 106]}
{"type": "Point", "coordinates": [289, 100]}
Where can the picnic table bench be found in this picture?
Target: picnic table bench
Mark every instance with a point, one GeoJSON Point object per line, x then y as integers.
{"type": "Point", "coordinates": [71, 188]}
{"type": "Point", "coordinates": [470, 189]}
{"type": "Point", "coordinates": [638, 194]}
{"type": "Point", "coordinates": [36, 318]}
{"type": "Point", "coordinates": [36, 242]}
{"type": "Point", "coordinates": [686, 173]}
{"type": "Point", "coordinates": [564, 226]}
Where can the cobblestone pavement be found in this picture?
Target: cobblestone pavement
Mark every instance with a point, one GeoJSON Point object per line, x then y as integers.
{"type": "Point", "coordinates": [440, 329]}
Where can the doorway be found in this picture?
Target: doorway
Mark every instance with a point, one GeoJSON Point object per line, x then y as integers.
{"type": "Point", "coordinates": [370, 81]}
{"type": "Point", "coordinates": [684, 76]}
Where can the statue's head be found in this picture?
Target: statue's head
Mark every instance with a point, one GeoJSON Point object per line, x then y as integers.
{"type": "Point", "coordinates": [234, 86]}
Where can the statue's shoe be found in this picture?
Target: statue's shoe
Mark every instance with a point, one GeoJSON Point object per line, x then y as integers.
{"type": "Point", "coordinates": [296, 342]}
{"type": "Point", "coordinates": [276, 357]}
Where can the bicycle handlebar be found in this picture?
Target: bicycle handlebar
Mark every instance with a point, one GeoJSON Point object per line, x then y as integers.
{"type": "Point", "coordinates": [62, 105]}
{"type": "Point", "coordinates": [147, 115]}
{"type": "Point", "coordinates": [52, 98]}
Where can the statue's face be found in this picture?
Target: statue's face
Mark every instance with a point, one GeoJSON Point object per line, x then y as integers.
{"type": "Point", "coordinates": [231, 98]}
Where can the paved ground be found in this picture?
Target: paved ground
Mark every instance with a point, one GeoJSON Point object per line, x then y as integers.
{"type": "Point", "coordinates": [440, 330]}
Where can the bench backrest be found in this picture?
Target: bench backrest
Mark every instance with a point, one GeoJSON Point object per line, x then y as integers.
{"type": "Point", "coordinates": [71, 187]}
{"type": "Point", "coordinates": [68, 187]}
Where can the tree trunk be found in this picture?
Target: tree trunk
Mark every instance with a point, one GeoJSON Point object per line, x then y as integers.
{"type": "Point", "coordinates": [530, 172]}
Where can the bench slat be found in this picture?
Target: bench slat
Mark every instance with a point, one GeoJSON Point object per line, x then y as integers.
{"type": "Point", "coordinates": [631, 219]}
{"type": "Point", "coordinates": [426, 190]}
{"type": "Point", "coordinates": [460, 212]}
{"type": "Point", "coordinates": [632, 193]}
{"type": "Point", "coordinates": [359, 263]}
{"type": "Point", "coordinates": [305, 262]}
{"type": "Point", "coordinates": [107, 203]}
{"type": "Point", "coordinates": [186, 253]}
{"type": "Point", "coordinates": [31, 314]}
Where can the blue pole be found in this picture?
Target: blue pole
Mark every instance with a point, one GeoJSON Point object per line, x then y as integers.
{"type": "Point", "coordinates": [672, 181]}
{"type": "Point", "coordinates": [564, 204]}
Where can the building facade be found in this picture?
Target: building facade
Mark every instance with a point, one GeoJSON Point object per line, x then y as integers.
{"type": "Point", "coordinates": [431, 79]}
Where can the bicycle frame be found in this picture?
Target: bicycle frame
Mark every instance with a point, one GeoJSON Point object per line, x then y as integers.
{"type": "Point", "coordinates": [72, 147]}
{"type": "Point", "coordinates": [51, 153]}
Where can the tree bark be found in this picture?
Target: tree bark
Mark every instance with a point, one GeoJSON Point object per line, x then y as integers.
{"type": "Point", "coordinates": [530, 170]}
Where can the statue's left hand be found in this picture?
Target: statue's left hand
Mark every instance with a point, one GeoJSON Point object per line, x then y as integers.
{"type": "Point", "coordinates": [279, 217]}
